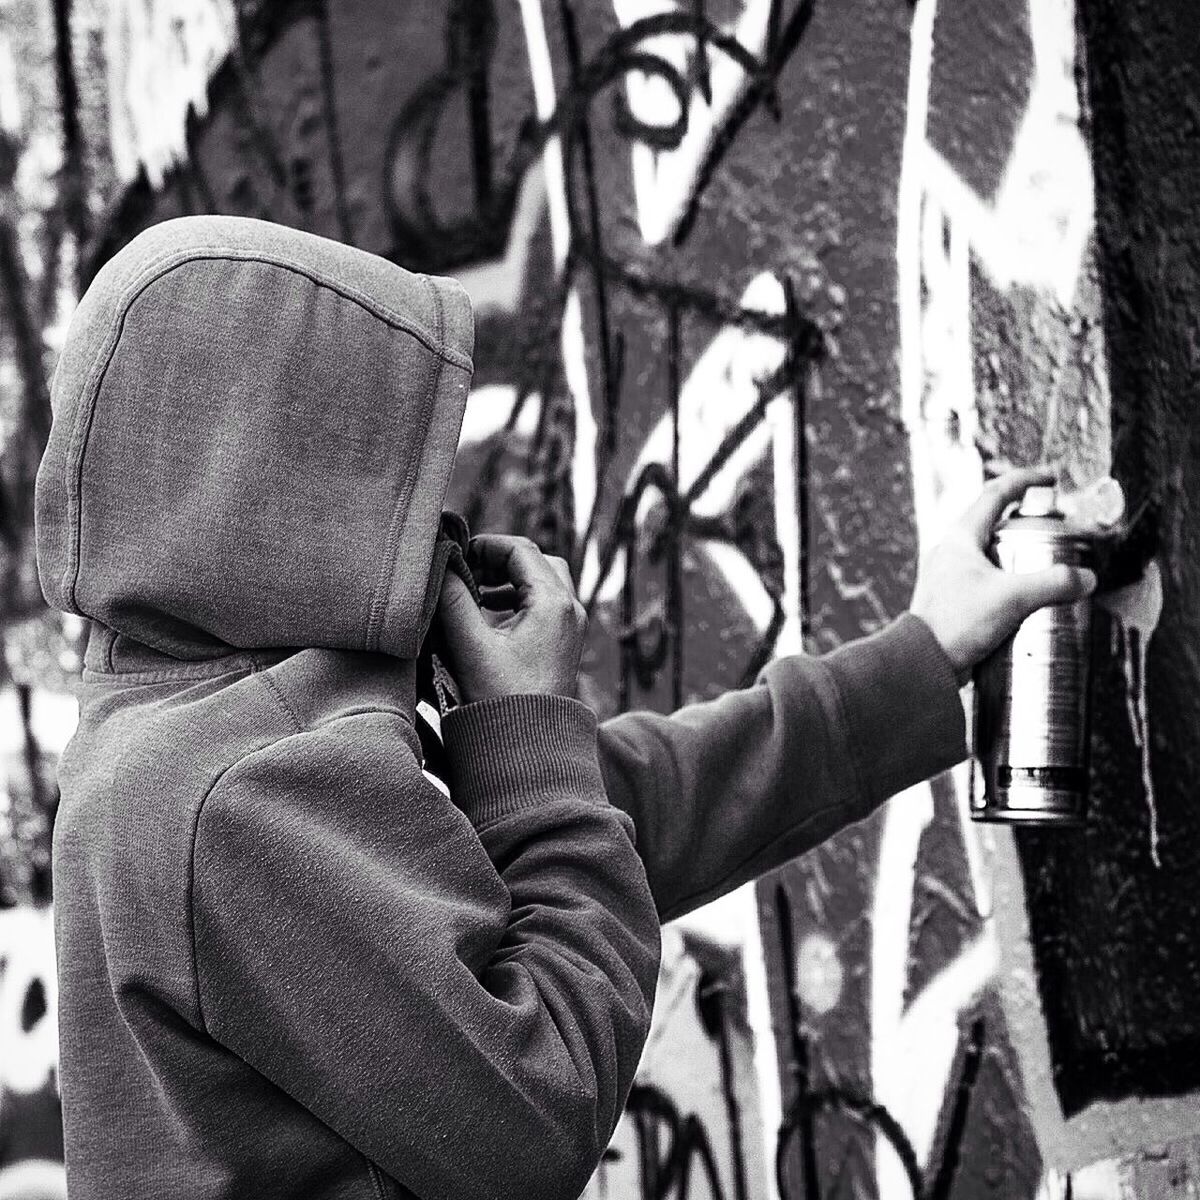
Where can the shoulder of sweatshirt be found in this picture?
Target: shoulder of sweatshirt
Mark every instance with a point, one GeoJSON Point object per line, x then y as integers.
{"type": "Point", "coordinates": [148, 752]}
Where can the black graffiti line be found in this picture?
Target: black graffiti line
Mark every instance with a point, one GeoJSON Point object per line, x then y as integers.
{"type": "Point", "coordinates": [698, 301]}
{"type": "Point", "coordinates": [798, 1064]}
{"type": "Point", "coordinates": [760, 89]}
{"type": "Point", "coordinates": [719, 990]}
{"type": "Point", "coordinates": [636, 661]}
{"type": "Point", "coordinates": [703, 70]}
{"type": "Point", "coordinates": [194, 168]}
{"type": "Point", "coordinates": [333, 135]}
{"type": "Point", "coordinates": [53, 233]}
{"type": "Point", "coordinates": [577, 135]}
{"type": "Point", "coordinates": [480, 28]}
{"type": "Point", "coordinates": [73, 180]}
{"type": "Point", "coordinates": [664, 1175]}
{"type": "Point", "coordinates": [420, 238]}
{"type": "Point", "coordinates": [623, 534]}
{"type": "Point", "coordinates": [943, 1182]}
{"type": "Point", "coordinates": [28, 442]}
{"type": "Point", "coordinates": [618, 56]}
{"type": "Point", "coordinates": [801, 360]}
{"type": "Point", "coordinates": [31, 749]}
{"type": "Point", "coordinates": [244, 74]}
{"type": "Point", "coordinates": [675, 513]}
{"type": "Point", "coordinates": [864, 1112]}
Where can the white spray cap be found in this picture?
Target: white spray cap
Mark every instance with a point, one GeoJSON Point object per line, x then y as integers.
{"type": "Point", "coordinates": [1040, 501]}
{"type": "Point", "coordinates": [1100, 506]}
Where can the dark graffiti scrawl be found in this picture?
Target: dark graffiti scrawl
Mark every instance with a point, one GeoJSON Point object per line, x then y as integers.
{"type": "Point", "coordinates": [422, 165]}
{"type": "Point", "coordinates": [760, 296]}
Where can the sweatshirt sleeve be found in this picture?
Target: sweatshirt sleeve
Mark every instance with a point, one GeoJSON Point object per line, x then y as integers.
{"type": "Point", "coordinates": [725, 790]}
{"type": "Point", "coordinates": [433, 981]}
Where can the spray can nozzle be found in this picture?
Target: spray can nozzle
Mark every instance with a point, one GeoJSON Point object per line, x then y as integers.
{"type": "Point", "coordinates": [1041, 501]}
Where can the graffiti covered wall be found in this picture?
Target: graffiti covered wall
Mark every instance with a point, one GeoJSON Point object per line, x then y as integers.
{"type": "Point", "coordinates": [765, 289]}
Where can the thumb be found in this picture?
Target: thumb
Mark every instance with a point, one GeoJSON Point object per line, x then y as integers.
{"type": "Point", "coordinates": [458, 613]}
{"type": "Point", "coordinates": [1059, 584]}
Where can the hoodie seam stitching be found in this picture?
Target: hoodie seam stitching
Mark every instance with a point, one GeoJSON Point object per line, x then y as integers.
{"type": "Point", "coordinates": [373, 1175]}
{"type": "Point", "coordinates": [164, 264]}
{"type": "Point", "coordinates": [289, 712]}
{"type": "Point", "coordinates": [195, 836]}
{"type": "Point", "coordinates": [242, 662]}
{"type": "Point", "coordinates": [388, 566]}
{"type": "Point", "coordinates": [191, 884]}
{"type": "Point", "coordinates": [863, 795]}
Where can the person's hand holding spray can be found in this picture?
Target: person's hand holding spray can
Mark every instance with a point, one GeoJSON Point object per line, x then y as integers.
{"type": "Point", "coordinates": [1008, 596]}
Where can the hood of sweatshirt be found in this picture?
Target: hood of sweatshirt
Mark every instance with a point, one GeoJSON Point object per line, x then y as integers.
{"type": "Point", "coordinates": [253, 433]}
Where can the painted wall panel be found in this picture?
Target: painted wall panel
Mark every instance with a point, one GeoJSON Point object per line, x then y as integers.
{"type": "Point", "coordinates": [765, 288]}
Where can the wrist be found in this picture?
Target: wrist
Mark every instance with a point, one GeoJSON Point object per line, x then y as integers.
{"type": "Point", "coordinates": [509, 752]}
{"type": "Point", "coordinates": [502, 689]}
{"type": "Point", "coordinates": [960, 662]}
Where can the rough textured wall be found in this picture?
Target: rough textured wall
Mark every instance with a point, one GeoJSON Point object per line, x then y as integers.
{"type": "Point", "coordinates": [54, 174]}
{"type": "Point", "coordinates": [764, 288]}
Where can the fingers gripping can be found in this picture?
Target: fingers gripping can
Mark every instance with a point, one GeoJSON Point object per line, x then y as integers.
{"type": "Point", "coordinates": [1033, 694]}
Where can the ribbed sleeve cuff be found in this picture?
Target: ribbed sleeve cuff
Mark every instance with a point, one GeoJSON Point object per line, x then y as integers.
{"type": "Point", "coordinates": [513, 752]}
{"type": "Point", "coordinates": [900, 699]}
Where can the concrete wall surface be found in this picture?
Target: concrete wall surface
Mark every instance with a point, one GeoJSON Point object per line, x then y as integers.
{"type": "Point", "coordinates": [764, 289]}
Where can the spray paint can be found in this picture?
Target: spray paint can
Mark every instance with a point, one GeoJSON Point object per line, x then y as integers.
{"type": "Point", "coordinates": [1033, 694]}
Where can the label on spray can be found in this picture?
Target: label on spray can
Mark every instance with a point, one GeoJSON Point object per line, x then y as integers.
{"type": "Point", "coordinates": [1033, 694]}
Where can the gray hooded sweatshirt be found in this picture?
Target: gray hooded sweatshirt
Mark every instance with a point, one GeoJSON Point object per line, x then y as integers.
{"type": "Point", "coordinates": [290, 966]}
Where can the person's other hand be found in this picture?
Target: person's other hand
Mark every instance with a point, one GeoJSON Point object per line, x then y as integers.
{"type": "Point", "coordinates": [527, 637]}
{"type": "Point", "coordinates": [969, 603]}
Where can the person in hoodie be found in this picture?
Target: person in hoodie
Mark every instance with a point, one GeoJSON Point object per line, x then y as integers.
{"type": "Point", "coordinates": [290, 965]}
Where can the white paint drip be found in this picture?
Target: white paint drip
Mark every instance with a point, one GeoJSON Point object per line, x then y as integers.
{"type": "Point", "coordinates": [1136, 610]}
{"type": "Point", "coordinates": [584, 482]}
